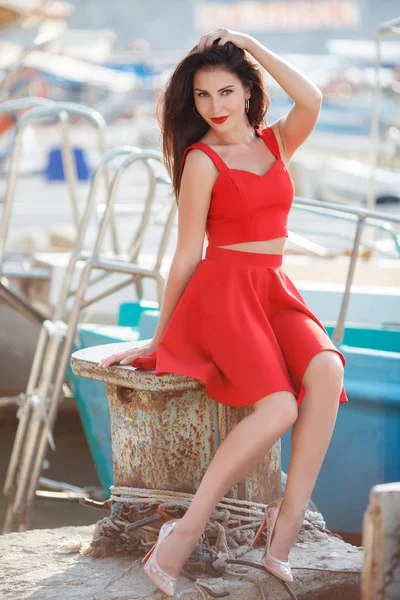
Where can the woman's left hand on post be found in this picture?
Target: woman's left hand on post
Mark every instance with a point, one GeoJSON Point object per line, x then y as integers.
{"type": "Point", "coordinates": [127, 356]}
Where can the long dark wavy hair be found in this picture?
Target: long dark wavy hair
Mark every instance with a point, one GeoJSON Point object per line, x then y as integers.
{"type": "Point", "coordinates": [179, 126]}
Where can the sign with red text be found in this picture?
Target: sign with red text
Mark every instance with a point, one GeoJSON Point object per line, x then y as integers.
{"type": "Point", "coordinates": [278, 16]}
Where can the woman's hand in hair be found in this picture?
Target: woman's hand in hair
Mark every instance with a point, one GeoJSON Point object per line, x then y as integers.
{"type": "Point", "coordinates": [221, 36]}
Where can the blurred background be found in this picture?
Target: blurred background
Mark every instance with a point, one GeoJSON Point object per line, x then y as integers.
{"type": "Point", "coordinates": [115, 58]}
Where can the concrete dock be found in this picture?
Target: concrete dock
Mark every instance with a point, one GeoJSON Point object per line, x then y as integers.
{"type": "Point", "coordinates": [50, 564]}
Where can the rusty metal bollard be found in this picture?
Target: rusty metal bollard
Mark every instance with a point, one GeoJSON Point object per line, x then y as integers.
{"type": "Point", "coordinates": [165, 430]}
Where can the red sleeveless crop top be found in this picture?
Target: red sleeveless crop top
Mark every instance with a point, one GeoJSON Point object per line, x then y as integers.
{"type": "Point", "coordinates": [245, 206]}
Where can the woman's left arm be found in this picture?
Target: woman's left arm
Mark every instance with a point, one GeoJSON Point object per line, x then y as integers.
{"type": "Point", "coordinates": [295, 127]}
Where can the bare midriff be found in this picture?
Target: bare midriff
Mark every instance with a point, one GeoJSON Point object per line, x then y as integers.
{"type": "Point", "coordinates": [275, 246]}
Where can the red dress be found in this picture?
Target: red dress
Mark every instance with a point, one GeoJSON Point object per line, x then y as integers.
{"type": "Point", "coordinates": [241, 326]}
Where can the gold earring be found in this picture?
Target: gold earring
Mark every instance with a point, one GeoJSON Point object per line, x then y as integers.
{"type": "Point", "coordinates": [194, 111]}
{"type": "Point", "coordinates": [247, 105]}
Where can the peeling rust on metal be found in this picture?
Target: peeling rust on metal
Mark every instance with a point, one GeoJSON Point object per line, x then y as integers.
{"type": "Point", "coordinates": [161, 440]}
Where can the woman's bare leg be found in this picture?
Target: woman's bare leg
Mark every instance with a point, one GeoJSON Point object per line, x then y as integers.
{"type": "Point", "coordinates": [311, 435]}
{"type": "Point", "coordinates": [242, 449]}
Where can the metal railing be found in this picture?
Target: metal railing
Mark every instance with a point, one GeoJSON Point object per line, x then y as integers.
{"type": "Point", "coordinates": [39, 410]}
{"type": "Point", "coordinates": [44, 109]}
{"type": "Point", "coordinates": [12, 107]}
{"type": "Point", "coordinates": [378, 226]}
{"type": "Point", "coordinates": [60, 111]}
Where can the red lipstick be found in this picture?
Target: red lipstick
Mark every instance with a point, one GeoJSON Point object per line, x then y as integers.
{"type": "Point", "coordinates": [219, 119]}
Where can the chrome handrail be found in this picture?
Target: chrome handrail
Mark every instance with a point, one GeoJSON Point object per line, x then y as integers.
{"type": "Point", "coordinates": [386, 227]}
{"type": "Point", "coordinates": [39, 411]}
{"type": "Point", "coordinates": [105, 222]}
{"type": "Point", "coordinates": [76, 255]}
{"type": "Point", "coordinates": [135, 246]}
{"type": "Point", "coordinates": [11, 107]}
{"type": "Point", "coordinates": [60, 110]}
{"type": "Point", "coordinates": [359, 212]}
{"type": "Point", "coordinates": [27, 431]}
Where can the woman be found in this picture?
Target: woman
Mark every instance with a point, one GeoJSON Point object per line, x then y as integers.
{"type": "Point", "coordinates": [234, 319]}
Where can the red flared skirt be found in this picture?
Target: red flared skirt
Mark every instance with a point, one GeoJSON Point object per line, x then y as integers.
{"type": "Point", "coordinates": [242, 328]}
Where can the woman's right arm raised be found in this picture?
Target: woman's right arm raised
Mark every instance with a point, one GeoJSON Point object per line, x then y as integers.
{"type": "Point", "coordinates": [197, 181]}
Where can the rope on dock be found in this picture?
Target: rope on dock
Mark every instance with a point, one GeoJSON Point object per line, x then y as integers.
{"type": "Point", "coordinates": [137, 515]}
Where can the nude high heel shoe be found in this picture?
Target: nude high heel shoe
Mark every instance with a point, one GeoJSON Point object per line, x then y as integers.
{"type": "Point", "coordinates": [162, 580]}
{"type": "Point", "coordinates": [279, 568]}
